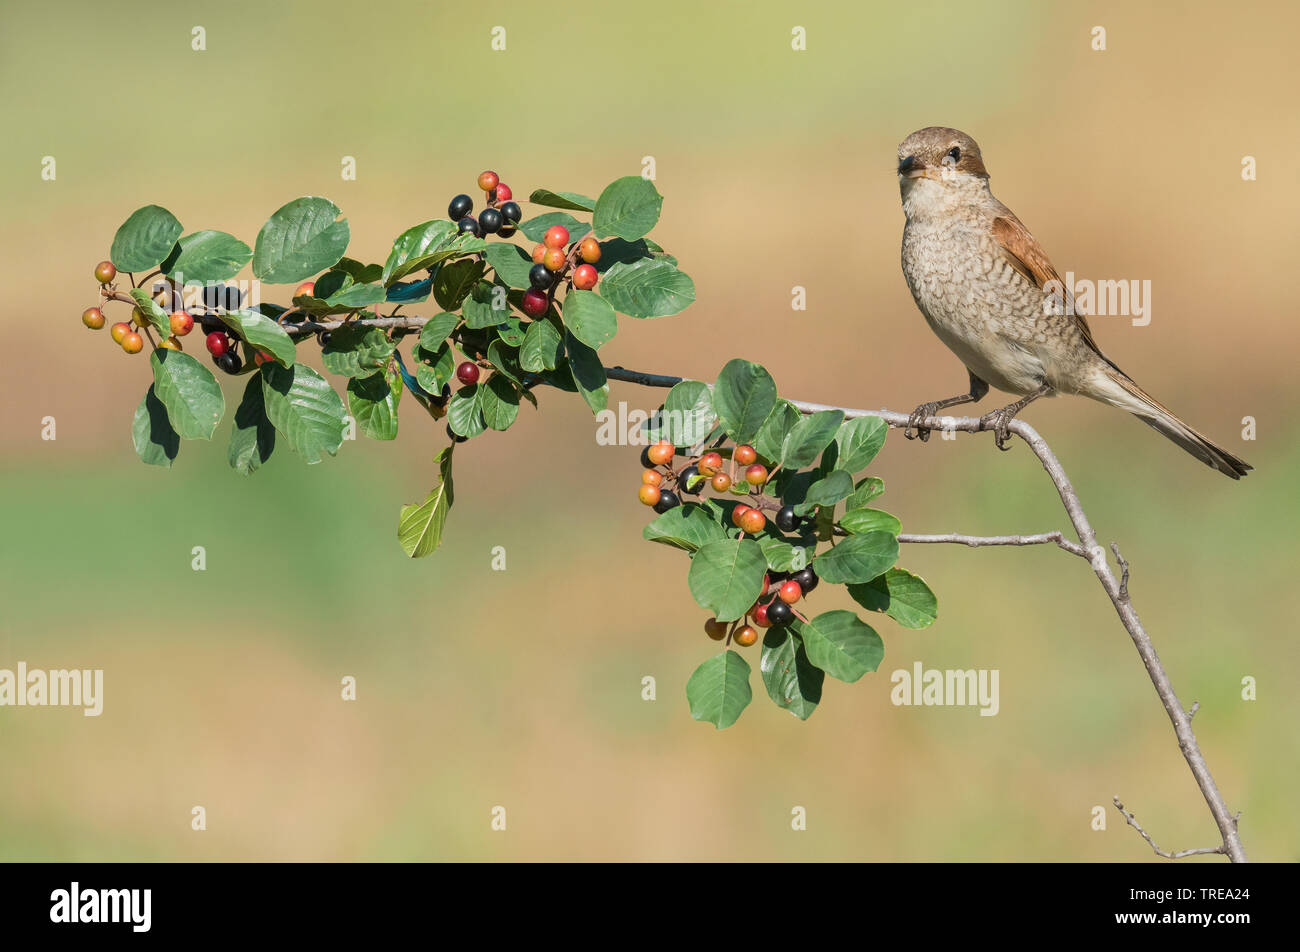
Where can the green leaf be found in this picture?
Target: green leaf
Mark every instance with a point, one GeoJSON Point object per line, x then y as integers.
{"type": "Point", "coordinates": [901, 595]}
{"type": "Point", "coordinates": [859, 521]}
{"type": "Point", "coordinates": [465, 411]}
{"type": "Point", "coordinates": [436, 330]}
{"type": "Point", "coordinates": [373, 401]}
{"type": "Point", "coordinates": [425, 245]}
{"type": "Point", "coordinates": [264, 334]}
{"type": "Point", "coordinates": [743, 397]}
{"type": "Point", "coordinates": [688, 527]}
{"type": "Point", "coordinates": [617, 251]}
{"type": "Point", "coordinates": [842, 645]}
{"type": "Point", "coordinates": [358, 272]}
{"type": "Point", "coordinates": [151, 432]}
{"type": "Point", "coordinates": [454, 281]}
{"type": "Point", "coordinates": [206, 256]}
{"type": "Point", "coordinates": [687, 415]}
{"type": "Point", "coordinates": [588, 373]}
{"type": "Point", "coordinates": [419, 528]}
{"type": "Point", "coordinates": [791, 679]}
{"type": "Point", "coordinates": [190, 393]}
{"type": "Point", "coordinates": [569, 200]}
{"type": "Point", "coordinates": [719, 689]}
{"type": "Point", "coordinates": [535, 228]}
{"type": "Point", "coordinates": [868, 488]}
{"type": "Point", "coordinates": [650, 287]}
{"type": "Point", "coordinates": [435, 368]}
{"type": "Point", "coordinates": [726, 577]}
{"type": "Point", "coordinates": [357, 351]}
{"type": "Point", "coordinates": [590, 318]}
{"type": "Point", "coordinates": [542, 348]}
{"type": "Point", "coordinates": [827, 491]}
{"type": "Point", "coordinates": [771, 435]}
{"type": "Point", "coordinates": [785, 556]}
{"type": "Point", "coordinates": [511, 263]}
{"type": "Point", "coordinates": [301, 239]}
{"type": "Point", "coordinates": [157, 316]}
{"type": "Point", "coordinates": [627, 208]}
{"type": "Point", "coordinates": [859, 440]}
{"type": "Point", "coordinates": [481, 307]}
{"type": "Point", "coordinates": [858, 558]}
{"type": "Point", "coordinates": [499, 401]}
{"type": "Point", "coordinates": [356, 296]}
{"type": "Point", "coordinates": [253, 439]}
{"type": "Point", "coordinates": [511, 333]}
{"type": "Point", "coordinates": [304, 408]}
{"type": "Point", "coordinates": [807, 438]}
{"type": "Point", "coordinates": [506, 361]}
{"type": "Point", "coordinates": [145, 239]}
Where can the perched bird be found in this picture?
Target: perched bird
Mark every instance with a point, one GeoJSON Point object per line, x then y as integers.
{"type": "Point", "coordinates": [989, 292]}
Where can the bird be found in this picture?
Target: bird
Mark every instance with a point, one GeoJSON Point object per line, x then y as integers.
{"type": "Point", "coordinates": [991, 295]}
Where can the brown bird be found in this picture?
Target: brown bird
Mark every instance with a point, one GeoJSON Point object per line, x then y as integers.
{"type": "Point", "coordinates": [990, 293]}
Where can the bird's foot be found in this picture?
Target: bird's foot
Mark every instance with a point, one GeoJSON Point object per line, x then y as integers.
{"type": "Point", "coordinates": [914, 421]}
{"type": "Point", "coordinates": [999, 421]}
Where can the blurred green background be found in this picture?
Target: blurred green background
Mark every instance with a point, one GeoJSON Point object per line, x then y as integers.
{"type": "Point", "coordinates": [522, 688]}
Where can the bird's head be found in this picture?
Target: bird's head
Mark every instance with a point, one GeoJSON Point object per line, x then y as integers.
{"type": "Point", "coordinates": [937, 162]}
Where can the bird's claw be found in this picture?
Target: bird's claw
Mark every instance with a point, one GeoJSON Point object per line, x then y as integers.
{"type": "Point", "coordinates": [914, 421]}
{"type": "Point", "coordinates": [999, 421]}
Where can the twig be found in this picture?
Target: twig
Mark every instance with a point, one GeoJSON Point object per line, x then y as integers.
{"type": "Point", "coordinates": [1132, 821]}
{"type": "Point", "coordinates": [1041, 538]}
{"type": "Point", "coordinates": [1123, 566]}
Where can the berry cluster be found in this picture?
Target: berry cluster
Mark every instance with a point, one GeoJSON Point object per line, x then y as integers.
{"type": "Point", "coordinates": [127, 334]}
{"type": "Point", "coordinates": [553, 260]}
{"type": "Point", "coordinates": [774, 608]}
{"type": "Point", "coordinates": [501, 216]}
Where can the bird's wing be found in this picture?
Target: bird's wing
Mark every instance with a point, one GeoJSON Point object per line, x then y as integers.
{"type": "Point", "coordinates": [1026, 255]}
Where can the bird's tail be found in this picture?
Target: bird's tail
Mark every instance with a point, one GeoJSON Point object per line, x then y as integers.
{"type": "Point", "coordinates": [1112, 386]}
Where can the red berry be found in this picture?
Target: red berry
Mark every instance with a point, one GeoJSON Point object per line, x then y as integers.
{"type": "Point", "coordinates": [744, 454]}
{"type": "Point", "coordinates": [503, 192]}
{"type": "Point", "coordinates": [488, 180]}
{"type": "Point", "coordinates": [760, 617]}
{"type": "Point", "coordinates": [534, 302]}
{"type": "Point", "coordinates": [756, 475]}
{"type": "Point", "coordinates": [467, 373]}
{"type": "Point", "coordinates": [93, 318]}
{"type": "Point", "coordinates": [119, 331]}
{"type": "Point", "coordinates": [306, 289]}
{"type": "Point", "coordinates": [105, 272]}
{"type": "Point", "coordinates": [652, 477]}
{"type": "Point", "coordinates": [717, 630]}
{"type": "Point", "coordinates": [556, 236]}
{"type": "Point", "coordinates": [709, 464]}
{"type": "Point", "coordinates": [262, 357]}
{"type": "Point", "coordinates": [720, 482]}
{"type": "Point", "coordinates": [589, 250]}
{"type": "Point", "coordinates": [539, 251]}
{"type": "Point", "coordinates": [661, 452]}
{"type": "Point", "coordinates": [132, 342]}
{"type": "Point", "coordinates": [554, 259]}
{"type": "Point", "coordinates": [739, 513]}
{"type": "Point", "coordinates": [649, 495]}
{"type": "Point", "coordinates": [753, 522]}
{"type": "Point", "coordinates": [584, 277]}
{"type": "Point", "coordinates": [181, 323]}
{"type": "Point", "coordinates": [746, 636]}
{"type": "Point", "coordinates": [217, 343]}
{"type": "Point", "coordinates": [789, 592]}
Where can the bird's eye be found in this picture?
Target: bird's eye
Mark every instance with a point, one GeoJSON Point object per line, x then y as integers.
{"type": "Point", "coordinates": [955, 154]}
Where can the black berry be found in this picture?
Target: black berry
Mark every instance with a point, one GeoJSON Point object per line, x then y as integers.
{"type": "Point", "coordinates": [667, 500]}
{"type": "Point", "coordinates": [470, 226]}
{"type": "Point", "coordinates": [786, 520]}
{"type": "Point", "coordinates": [684, 481]}
{"type": "Point", "coordinates": [460, 206]}
{"type": "Point", "coordinates": [779, 613]}
{"type": "Point", "coordinates": [490, 220]}
{"type": "Point", "coordinates": [646, 462]}
{"type": "Point", "coordinates": [322, 337]}
{"type": "Point", "coordinates": [507, 231]}
{"type": "Point", "coordinates": [229, 362]}
{"type": "Point", "coordinates": [511, 212]}
{"type": "Point", "coordinates": [806, 578]}
{"type": "Point", "coordinates": [541, 277]}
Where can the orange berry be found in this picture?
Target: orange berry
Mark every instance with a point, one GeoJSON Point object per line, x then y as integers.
{"type": "Point", "coordinates": [105, 272]}
{"type": "Point", "coordinates": [649, 495]}
{"type": "Point", "coordinates": [93, 318]}
{"type": "Point", "coordinates": [306, 289]}
{"type": "Point", "coordinates": [744, 454]}
{"type": "Point", "coordinates": [717, 630]}
{"type": "Point", "coordinates": [709, 464]}
{"type": "Point", "coordinates": [181, 323]}
{"type": "Point", "coordinates": [119, 330]}
{"type": "Point", "coordinates": [756, 475]}
{"type": "Point", "coordinates": [753, 522]}
{"type": "Point", "coordinates": [589, 250]}
{"type": "Point", "coordinates": [585, 277]}
{"type": "Point", "coordinates": [488, 180]}
{"type": "Point", "coordinates": [538, 252]}
{"type": "Point", "coordinates": [557, 236]}
{"type": "Point", "coordinates": [661, 452]}
{"type": "Point", "coordinates": [739, 513]}
{"type": "Point", "coordinates": [132, 342]}
{"type": "Point", "coordinates": [554, 259]}
{"type": "Point", "coordinates": [652, 477]}
{"type": "Point", "coordinates": [720, 482]}
{"type": "Point", "coordinates": [746, 636]}
{"type": "Point", "coordinates": [789, 592]}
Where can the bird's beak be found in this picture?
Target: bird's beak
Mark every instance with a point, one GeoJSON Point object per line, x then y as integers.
{"type": "Point", "coordinates": [912, 169]}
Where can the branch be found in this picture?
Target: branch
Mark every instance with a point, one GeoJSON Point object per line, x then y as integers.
{"type": "Point", "coordinates": [1132, 821]}
{"type": "Point", "coordinates": [975, 541]}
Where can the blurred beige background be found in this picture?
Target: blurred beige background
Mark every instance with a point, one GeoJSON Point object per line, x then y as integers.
{"type": "Point", "coordinates": [522, 689]}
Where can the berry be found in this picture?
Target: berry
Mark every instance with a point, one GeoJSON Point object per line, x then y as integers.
{"type": "Point", "coordinates": [171, 343]}
{"type": "Point", "coordinates": [503, 192]}
{"type": "Point", "coordinates": [105, 272]}
{"type": "Point", "coordinates": [652, 477]}
{"type": "Point", "coordinates": [744, 454]}
{"type": "Point", "coordinates": [540, 277]}
{"type": "Point", "coordinates": [93, 318]}
{"type": "Point", "coordinates": [789, 592]}
{"type": "Point", "coordinates": [230, 362]}
{"type": "Point", "coordinates": [510, 211]}
{"type": "Point", "coordinates": [710, 463]}
{"type": "Point", "coordinates": [739, 513]}
{"type": "Point", "coordinates": [538, 252]}
{"type": "Point", "coordinates": [468, 225]}
{"type": "Point", "coordinates": [684, 481]}
{"type": "Point", "coordinates": [779, 613]}
{"type": "Point", "coordinates": [649, 495]}
{"type": "Point", "coordinates": [262, 357]}
{"type": "Point", "coordinates": [645, 458]}
{"type": "Point", "coordinates": [720, 482]}
{"type": "Point", "coordinates": [717, 630]}
{"type": "Point", "coordinates": [667, 500]}
{"type": "Point", "coordinates": [306, 289]}
{"type": "Point", "coordinates": [119, 330]}
{"type": "Point", "coordinates": [132, 342]}
{"type": "Point", "coordinates": [786, 520]}
{"type": "Point", "coordinates": [217, 344]}
{"type": "Point", "coordinates": [467, 373]}
{"type": "Point", "coordinates": [460, 206]}
{"type": "Point", "coordinates": [557, 236]}
{"type": "Point", "coordinates": [584, 277]}
{"type": "Point", "coordinates": [455, 437]}
{"type": "Point", "coordinates": [323, 338]}
{"type": "Point", "coordinates": [138, 316]}
{"type": "Point", "coordinates": [746, 636]}
{"type": "Point", "coordinates": [181, 323]}
{"type": "Point", "coordinates": [753, 522]}
{"type": "Point", "coordinates": [534, 303]}
{"type": "Point", "coordinates": [806, 578]}
{"type": "Point", "coordinates": [661, 452]}
{"type": "Point", "coordinates": [767, 583]}
{"type": "Point", "coordinates": [589, 250]}
{"type": "Point", "coordinates": [554, 259]}
{"type": "Point", "coordinates": [760, 617]}
{"type": "Point", "coordinates": [490, 220]}
{"type": "Point", "coordinates": [507, 230]}
{"type": "Point", "coordinates": [488, 180]}
{"type": "Point", "coordinates": [756, 475]}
